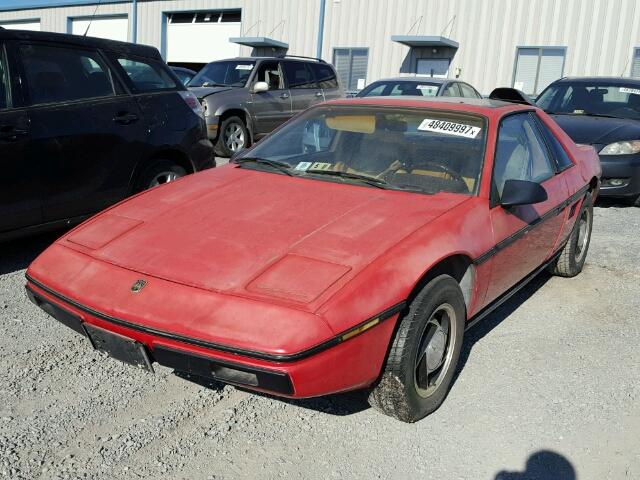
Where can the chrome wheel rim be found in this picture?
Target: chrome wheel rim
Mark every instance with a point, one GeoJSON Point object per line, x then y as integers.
{"type": "Point", "coordinates": [435, 350]}
{"type": "Point", "coordinates": [234, 137]}
{"type": "Point", "coordinates": [583, 235]}
{"type": "Point", "coordinates": [164, 177]}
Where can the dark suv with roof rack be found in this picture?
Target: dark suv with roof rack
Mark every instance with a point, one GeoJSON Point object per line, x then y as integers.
{"type": "Point", "coordinates": [246, 98]}
{"type": "Point", "coordinates": [85, 122]}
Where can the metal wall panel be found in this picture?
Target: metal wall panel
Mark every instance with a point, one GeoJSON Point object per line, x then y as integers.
{"type": "Point", "coordinates": [599, 34]}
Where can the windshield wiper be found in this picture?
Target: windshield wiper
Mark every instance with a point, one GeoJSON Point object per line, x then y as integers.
{"type": "Point", "coordinates": [585, 114]}
{"type": "Point", "coordinates": [373, 181]}
{"type": "Point", "coordinates": [280, 166]}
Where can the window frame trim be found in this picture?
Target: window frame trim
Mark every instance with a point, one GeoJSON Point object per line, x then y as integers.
{"type": "Point", "coordinates": [4, 59]}
{"type": "Point", "coordinates": [540, 48]}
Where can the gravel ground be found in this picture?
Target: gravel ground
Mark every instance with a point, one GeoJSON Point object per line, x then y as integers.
{"type": "Point", "coordinates": [548, 388]}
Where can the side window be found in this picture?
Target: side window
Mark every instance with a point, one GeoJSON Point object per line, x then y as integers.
{"type": "Point", "coordinates": [147, 75]}
{"type": "Point", "coordinates": [376, 91]}
{"type": "Point", "coordinates": [299, 75]}
{"type": "Point", "coordinates": [58, 74]}
{"type": "Point", "coordinates": [560, 155]}
{"type": "Point", "coordinates": [451, 90]}
{"type": "Point", "coordinates": [520, 153]}
{"type": "Point", "coordinates": [467, 91]}
{"type": "Point", "coordinates": [270, 72]}
{"type": "Point", "coordinates": [325, 76]}
{"type": "Point", "coordinates": [5, 85]}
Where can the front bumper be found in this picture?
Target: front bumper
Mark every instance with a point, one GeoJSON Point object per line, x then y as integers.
{"type": "Point", "coordinates": [348, 364]}
{"type": "Point", "coordinates": [213, 126]}
{"type": "Point", "coordinates": [624, 169]}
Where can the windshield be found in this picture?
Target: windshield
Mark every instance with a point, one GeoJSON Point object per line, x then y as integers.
{"type": "Point", "coordinates": [601, 99]}
{"type": "Point", "coordinates": [233, 73]}
{"type": "Point", "coordinates": [420, 150]}
{"type": "Point", "coordinates": [400, 87]}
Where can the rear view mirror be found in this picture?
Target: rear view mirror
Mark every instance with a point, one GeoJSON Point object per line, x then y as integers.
{"type": "Point", "coordinates": [522, 192]}
{"type": "Point", "coordinates": [260, 87]}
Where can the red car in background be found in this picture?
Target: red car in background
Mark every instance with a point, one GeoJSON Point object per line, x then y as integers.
{"type": "Point", "coordinates": [350, 249]}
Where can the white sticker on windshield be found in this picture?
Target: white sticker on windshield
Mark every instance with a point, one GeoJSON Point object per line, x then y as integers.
{"type": "Point", "coordinates": [449, 128]}
{"type": "Point", "coordinates": [633, 91]}
{"type": "Point", "coordinates": [244, 67]}
{"type": "Point", "coordinates": [303, 166]}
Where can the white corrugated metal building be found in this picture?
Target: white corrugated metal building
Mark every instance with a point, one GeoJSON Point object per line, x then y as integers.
{"type": "Point", "coordinates": [522, 43]}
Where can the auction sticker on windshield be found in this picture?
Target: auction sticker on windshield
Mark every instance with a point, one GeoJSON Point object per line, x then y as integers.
{"type": "Point", "coordinates": [244, 67]}
{"type": "Point", "coordinates": [449, 128]}
{"type": "Point", "coordinates": [634, 91]}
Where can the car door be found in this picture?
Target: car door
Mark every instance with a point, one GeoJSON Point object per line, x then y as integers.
{"type": "Point", "coordinates": [20, 200]}
{"type": "Point", "coordinates": [85, 131]}
{"type": "Point", "coordinates": [327, 80]}
{"type": "Point", "coordinates": [273, 107]}
{"type": "Point", "coordinates": [524, 235]}
{"type": "Point", "coordinates": [303, 87]}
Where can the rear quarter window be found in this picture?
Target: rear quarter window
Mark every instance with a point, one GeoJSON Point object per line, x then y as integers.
{"type": "Point", "coordinates": [557, 150]}
{"type": "Point", "coordinates": [147, 75]}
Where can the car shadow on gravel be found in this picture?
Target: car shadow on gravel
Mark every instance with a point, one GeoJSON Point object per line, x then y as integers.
{"type": "Point", "coordinates": [18, 254]}
{"type": "Point", "coordinates": [486, 325]}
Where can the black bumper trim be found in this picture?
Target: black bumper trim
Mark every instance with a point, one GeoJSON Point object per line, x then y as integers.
{"type": "Point", "coordinates": [272, 357]}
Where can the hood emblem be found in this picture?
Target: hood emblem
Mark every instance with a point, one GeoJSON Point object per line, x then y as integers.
{"type": "Point", "coordinates": [138, 285]}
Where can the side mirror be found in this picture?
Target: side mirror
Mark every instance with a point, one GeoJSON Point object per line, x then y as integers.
{"type": "Point", "coordinates": [522, 192]}
{"type": "Point", "coordinates": [260, 87]}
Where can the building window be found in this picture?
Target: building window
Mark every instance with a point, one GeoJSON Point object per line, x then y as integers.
{"type": "Point", "coordinates": [537, 67]}
{"type": "Point", "coordinates": [351, 65]}
{"type": "Point", "coordinates": [433, 67]}
{"type": "Point", "coordinates": [635, 63]}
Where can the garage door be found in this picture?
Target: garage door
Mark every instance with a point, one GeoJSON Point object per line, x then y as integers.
{"type": "Point", "coordinates": [201, 37]}
{"type": "Point", "coordinates": [29, 25]}
{"type": "Point", "coordinates": [112, 28]}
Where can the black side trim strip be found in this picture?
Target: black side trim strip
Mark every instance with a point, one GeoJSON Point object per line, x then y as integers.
{"type": "Point", "coordinates": [501, 245]}
{"type": "Point", "coordinates": [511, 292]}
{"type": "Point", "coordinates": [272, 357]}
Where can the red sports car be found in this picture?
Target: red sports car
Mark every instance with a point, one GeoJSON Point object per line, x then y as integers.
{"type": "Point", "coordinates": [348, 250]}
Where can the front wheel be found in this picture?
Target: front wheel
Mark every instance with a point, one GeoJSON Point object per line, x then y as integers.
{"type": "Point", "coordinates": [424, 353]}
{"type": "Point", "coordinates": [158, 173]}
{"type": "Point", "coordinates": [574, 253]}
{"type": "Point", "coordinates": [233, 137]}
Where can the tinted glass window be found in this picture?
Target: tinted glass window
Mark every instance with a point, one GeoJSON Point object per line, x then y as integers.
{"type": "Point", "coordinates": [55, 74]}
{"type": "Point", "coordinates": [4, 80]}
{"type": "Point", "coordinates": [233, 73]}
{"type": "Point", "coordinates": [558, 151]}
{"type": "Point", "coordinates": [582, 98]}
{"type": "Point", "coordinates": [413, 149]}
{"type": "Point", "coordinates": [467, 91]}
{"type": "Point", "coordinates": [147, 75]}
{"type": "Point", "coordinates": [299, 75]}
{"type": "Point", "coordinates": [270, 72]}
{"type": "Point", "coordinates": [520, 153]}
{"type": "Point", "coordinates": [451, 90]}
{"type": "Point", "coordinates": [325, 76]}
{"type": "Point", "coordinates": [401, 88]}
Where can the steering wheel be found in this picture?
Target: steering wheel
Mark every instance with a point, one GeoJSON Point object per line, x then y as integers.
{"type": "Point", "coordinates": [452, 173]}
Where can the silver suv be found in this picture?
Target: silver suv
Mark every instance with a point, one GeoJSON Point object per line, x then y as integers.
{"type": "Point", "coordinates": [246, 98]}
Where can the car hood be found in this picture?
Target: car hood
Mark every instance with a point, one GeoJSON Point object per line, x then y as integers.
{"type": "Point", "coordinates": [202, 92]}
{"type": "Point", "coordinates": [256, 234]}
{"type": "Point", "coordinates": [598, 130]}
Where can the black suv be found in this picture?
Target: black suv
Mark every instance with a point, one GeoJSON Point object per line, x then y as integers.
{"type": "Point", "coordinates": [84, 123]}
{"type": "Point", "coordinates": [246, 98]}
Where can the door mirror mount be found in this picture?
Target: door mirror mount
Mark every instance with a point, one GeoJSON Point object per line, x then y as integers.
{"type": "Point", "coordinates": [522, 192]}
{"type": "Point", "coordinates": [260, 87]}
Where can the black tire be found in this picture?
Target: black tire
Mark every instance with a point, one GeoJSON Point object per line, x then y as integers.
{"type": "Point", "coordinates": [403, 391]}
{"type": "Point", "coordinates": [159, 172]}
{"type": "Point", "coordinates": [232, 137]}
{"type": "Point", "coordinates": [574, 253]}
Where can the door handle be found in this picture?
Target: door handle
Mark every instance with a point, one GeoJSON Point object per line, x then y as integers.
{"type": "Point", "coordinates": [125, 118]}
{"type": "Point", "coordinates": [10, 133]}
{"type": "Point", "coordinates": [284, 95]}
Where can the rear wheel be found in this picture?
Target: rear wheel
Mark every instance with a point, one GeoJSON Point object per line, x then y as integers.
{"type": "Point", "coordinates": [158, 173]}
{"type": "Point", "coordinates": [574, 253]}
{"type": "Point", "coordinates": [233, 137]}
{"type": "Point", "coordinates": [424, 353]}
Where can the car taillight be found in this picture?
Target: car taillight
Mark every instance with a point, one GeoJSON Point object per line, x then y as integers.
{"type": "Point", "coordinates": [191, 100]}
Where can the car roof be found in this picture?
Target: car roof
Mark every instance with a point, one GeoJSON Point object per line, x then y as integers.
{"type": "Point", "coordinates": [592, 80]}
{"type": "Point", "coordinates": [438, 81]}
{"type": "Point", "coordinates": [472, 105]}
{"type": "Point", "coordinates": [79, 40]}
{"type": "Point", "coordinates": [255, 59]}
